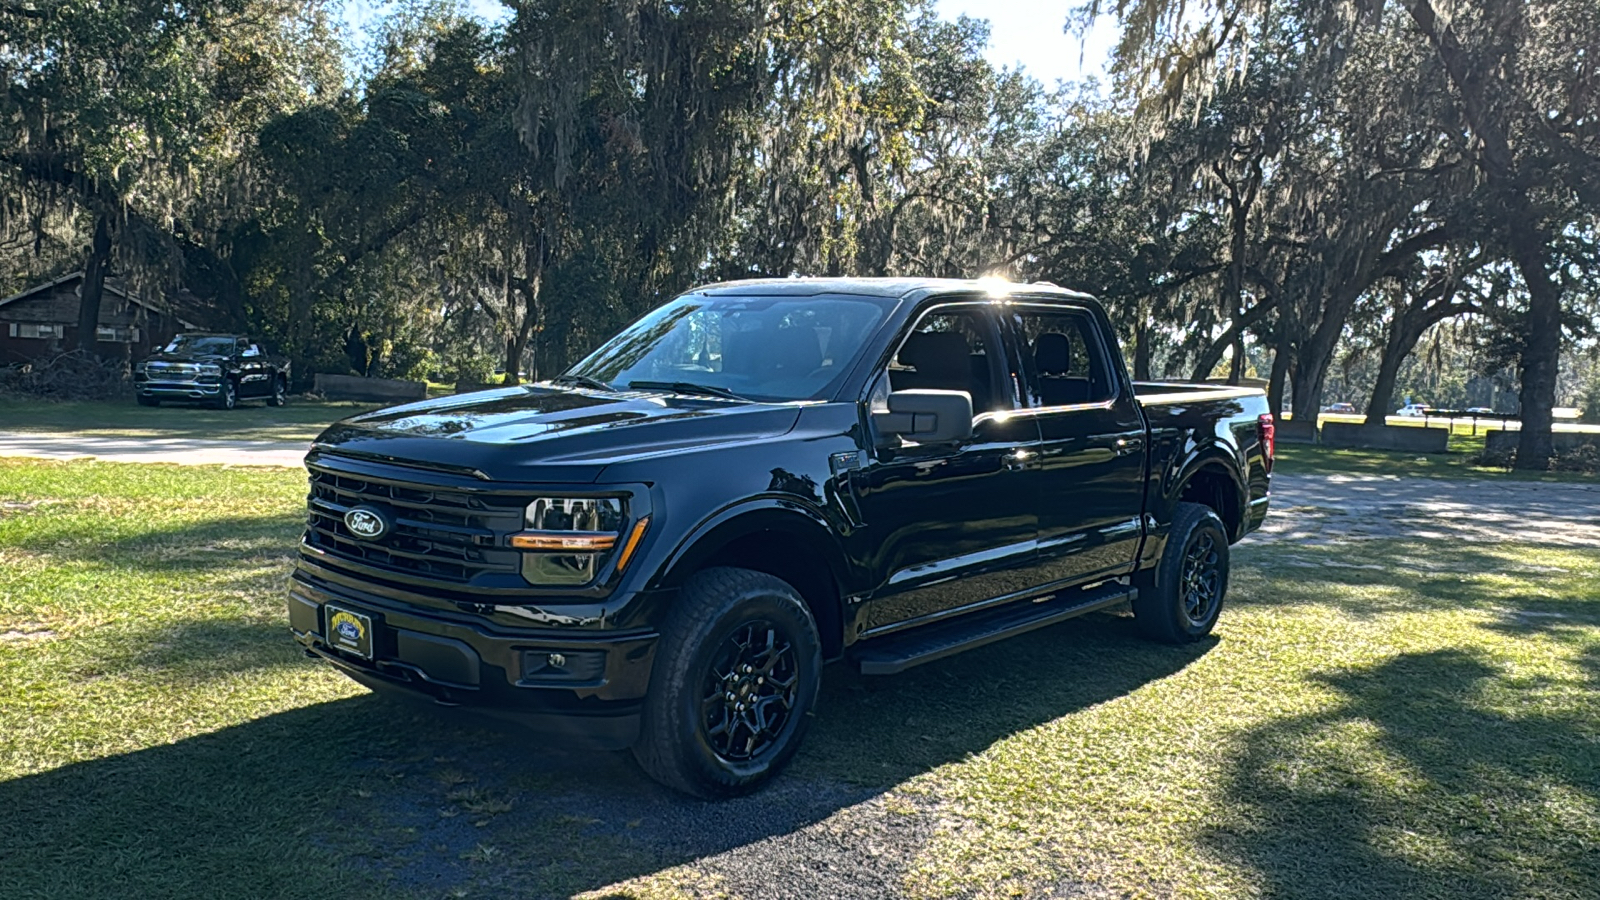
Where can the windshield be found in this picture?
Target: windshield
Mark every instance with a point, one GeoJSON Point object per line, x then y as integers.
{"type": "Point", "coordinates": [759, 348]}
{"type": "Point", "coordinates": [216, 346]}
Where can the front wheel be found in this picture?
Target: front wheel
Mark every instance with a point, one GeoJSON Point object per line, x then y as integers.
{"type": "Point", "coordinates": [228, 397]}
{"type": "Point", "coordinates": [1181, 602]}
{"type": "Point", "coordinates": [734, 682]}
{"type": "Point", "coordinates": [280, 393]}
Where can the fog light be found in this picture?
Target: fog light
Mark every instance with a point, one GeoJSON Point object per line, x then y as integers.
{"type": "Point", "coordinates": [563, 667]}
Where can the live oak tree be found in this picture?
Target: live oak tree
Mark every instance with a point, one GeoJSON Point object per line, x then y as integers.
{"type": "Point", "coordinates": [1523, 79]}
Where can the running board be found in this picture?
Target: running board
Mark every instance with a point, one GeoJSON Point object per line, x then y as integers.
{"type": "Point", "coordinates": [896, 653]}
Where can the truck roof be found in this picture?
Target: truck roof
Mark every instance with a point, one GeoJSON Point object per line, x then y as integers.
{"type": "Point", "coordinates": [887, 288]}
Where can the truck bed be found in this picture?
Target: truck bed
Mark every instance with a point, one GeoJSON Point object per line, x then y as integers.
{"type": "Point", "coordinates": [1159, 392]}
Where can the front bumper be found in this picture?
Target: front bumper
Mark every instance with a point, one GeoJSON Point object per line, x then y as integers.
{"type": "Point", "coordinates": [460, 660]}
{"type": "Point", "coordinates": [179, 390]}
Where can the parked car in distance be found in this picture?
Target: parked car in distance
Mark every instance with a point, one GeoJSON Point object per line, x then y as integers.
{"type": "Point", "coordinates": [661, 547]}
{"type": "Point", "coordinates": [216, 369]}
{"type": "Point", "coordinates": [1341, 408]}
{"type": "Point", "coordinates": [1414, 410]}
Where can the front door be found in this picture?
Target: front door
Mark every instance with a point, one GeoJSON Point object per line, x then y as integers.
{"type": "Point", "coordinates": [948, 526]}
{"type": "Point", "coordinates": [1091, 479]}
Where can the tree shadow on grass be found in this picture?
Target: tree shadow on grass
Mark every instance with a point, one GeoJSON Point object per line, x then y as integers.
{"type": "Point", "coordinates": [368, 797]}
{"type": "Point", "coordinates": [1422, 576]}
{"type": "Point", "coordinates": [1433, 777]}
{"type": "Point", "coordinates": [198, 547]}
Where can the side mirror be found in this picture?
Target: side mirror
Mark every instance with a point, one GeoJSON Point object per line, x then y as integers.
{"type": "Point", "coordinates": [927, 417]}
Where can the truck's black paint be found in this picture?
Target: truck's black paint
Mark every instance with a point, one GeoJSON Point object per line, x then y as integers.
{"type": "Point", "coordinates": [219, 369]}
{"type": "Point", "coordinates": [882, 540]}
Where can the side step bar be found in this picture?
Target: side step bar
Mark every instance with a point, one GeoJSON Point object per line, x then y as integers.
{"type": "Point", "coordinates": [896, 653]}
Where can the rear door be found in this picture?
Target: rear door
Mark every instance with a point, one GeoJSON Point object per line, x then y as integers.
{"type": "Point", "coordinates": [949, 526]}
{"type": "Point", "coordinates": [1091, 482]}
{"type": "Point", "coordinates": [253, 381]}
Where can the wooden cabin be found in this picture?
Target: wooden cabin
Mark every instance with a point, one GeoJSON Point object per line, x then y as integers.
{"type": "Point", "coordinates": [43, 321]}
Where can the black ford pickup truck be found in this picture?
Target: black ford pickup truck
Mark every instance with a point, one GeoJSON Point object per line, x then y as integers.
{"type": "Point", "coordinates": [660, 548]}
{"type": "Point", "coordinates": [216, 369]}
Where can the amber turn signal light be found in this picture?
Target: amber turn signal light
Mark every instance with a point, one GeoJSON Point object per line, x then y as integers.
{"type": "Point", "coordinates": [573, 541]}
{"type": "Point", "coordinates": [634, 537]}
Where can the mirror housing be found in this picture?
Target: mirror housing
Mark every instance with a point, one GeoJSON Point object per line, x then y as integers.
{"type": "Point", "coordinates": [927, 416]}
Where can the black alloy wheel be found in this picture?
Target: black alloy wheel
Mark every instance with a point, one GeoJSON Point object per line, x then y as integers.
{"type": "Point", "coordinates": [733, 685]}
{"type": "Point", "coordinates": [1180, 600]}
{"type": "Point", "coordinates": [1202, 577]}
{"type": "Point", "coordinates": [280, 393]}
{"type": "Point", "coordinates": [228, 397]}
{"type": "Point", "coordinates": [749, 692]}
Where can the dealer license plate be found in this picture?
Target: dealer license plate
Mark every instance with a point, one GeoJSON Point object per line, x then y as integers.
{"type": "Point", "coordinates": [349, 631]}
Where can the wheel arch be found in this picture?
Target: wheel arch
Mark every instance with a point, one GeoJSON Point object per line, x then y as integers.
{"type": "Point", "coordinates": [1212, 479]}
{"type": "Point", "coordinates": [782, 539]}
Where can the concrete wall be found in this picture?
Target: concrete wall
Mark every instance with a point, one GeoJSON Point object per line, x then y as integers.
{"type": "Point", "coordinates": [1506, 441]}
{"type": "Point", "coordinates": [1291, 431]}
{"type": "Point", "coordinates": [1350, 435]}
{"type": "Point", "coordinates": [378, 390]}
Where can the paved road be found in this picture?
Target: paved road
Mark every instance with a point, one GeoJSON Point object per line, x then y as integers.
{"type": "Point", "coordinates": [184, 451]}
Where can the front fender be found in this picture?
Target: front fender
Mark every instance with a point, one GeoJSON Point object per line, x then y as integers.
{"type": "Point", "coordinates": [782, 515]}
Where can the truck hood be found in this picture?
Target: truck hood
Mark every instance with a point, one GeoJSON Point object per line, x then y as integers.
{"type": "Point", "coordinates": [543, 433]}
{"type": "Point", "coordinates": [184, 357]}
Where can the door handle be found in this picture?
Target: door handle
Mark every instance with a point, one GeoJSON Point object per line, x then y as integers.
{"type": "Point", "coordinates": [1017, 460]}
{"type": "Point", "coordinates": [1129, 445]}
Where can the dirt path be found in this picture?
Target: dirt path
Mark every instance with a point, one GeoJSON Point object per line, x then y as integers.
{"type": "Point", "coordinates": [1326, 509]}
{"type": "Point", "coordinates": [1313, 509]}
{"type": "Point", "coordinates": [183, 451]}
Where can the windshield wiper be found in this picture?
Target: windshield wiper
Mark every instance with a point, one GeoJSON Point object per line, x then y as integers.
{"type": "Point", "coordinates": [686, 387]}
{"type": "Point", "coordinates": [583, 380]}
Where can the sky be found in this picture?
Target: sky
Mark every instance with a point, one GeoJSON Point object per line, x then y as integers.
{"type": "Point", "coordinates": [1026, 33]}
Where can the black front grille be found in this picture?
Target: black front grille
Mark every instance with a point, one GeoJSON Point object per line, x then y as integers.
{"type": "Point", "coordinates": [438, 533]}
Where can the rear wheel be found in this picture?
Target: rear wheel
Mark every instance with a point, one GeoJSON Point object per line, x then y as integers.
{"type": "Point", "coordinates": [735, 679]}
{"type": "Point", "coordinates": [1182, 601]}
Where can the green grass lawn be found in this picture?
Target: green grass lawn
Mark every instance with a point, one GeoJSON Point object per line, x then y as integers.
{"type": "Point", "coordinates": [300, 420]}
{"type": "Point", "coordinates": [1373, 719]}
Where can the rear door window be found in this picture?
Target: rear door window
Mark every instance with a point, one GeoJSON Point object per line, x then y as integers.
{"type": "Point", "coordinates": [1064, 358]}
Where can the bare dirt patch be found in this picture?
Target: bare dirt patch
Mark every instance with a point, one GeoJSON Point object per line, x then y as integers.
{"type": "Point", "coordinates": [1320, 510]}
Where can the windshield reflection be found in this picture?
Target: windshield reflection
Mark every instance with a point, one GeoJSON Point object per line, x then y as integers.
{"type": "Point", "coordinates": [761, 348]}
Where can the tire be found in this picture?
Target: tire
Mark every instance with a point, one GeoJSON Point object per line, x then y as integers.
{"type": "Point", "coordinates": [147, 401]}
{"type": "Point", "coordinates": [729, 619]}
{"type": "Point", "coordinates": [280, 393]}
{"type": "Point", "coordinates": [1180, 604]}
{"type": "Point", "coordinates": [228, 397]}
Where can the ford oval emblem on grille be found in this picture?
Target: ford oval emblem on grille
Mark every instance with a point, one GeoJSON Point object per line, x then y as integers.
{"type": "Point", "coordinates": [366, 523]}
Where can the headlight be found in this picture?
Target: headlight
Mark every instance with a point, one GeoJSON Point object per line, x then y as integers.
{"type": "Point", "coordinates": [570, 538]}
{"type": "Point", "coordinates": [210, 369]}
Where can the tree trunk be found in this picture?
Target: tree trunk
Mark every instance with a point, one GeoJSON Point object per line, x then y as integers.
{"type": "Point", "coordinates": [1141, 348]}
{"type": "Point", "coordinates": [1395, 350]}
{"type": "Point", "coordinates": [516, 346]}
{"type": "Point", "coordinates": [1282, 356]}
{"type": "Point", "coordinates": [94, 282]}
{"type": "Point", "coordinates": [1541, 354]}
{"type": "Point", "coordinates": [1310, 376]}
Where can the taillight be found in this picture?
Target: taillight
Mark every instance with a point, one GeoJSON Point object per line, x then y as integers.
{"type": "Point", "coordinates": [1269, 437]}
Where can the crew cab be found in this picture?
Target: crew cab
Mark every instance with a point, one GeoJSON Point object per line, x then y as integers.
{"type": "Point", "coordinates": [660, 548]}
{"type": "Point", "coordinates": [216, 369]}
